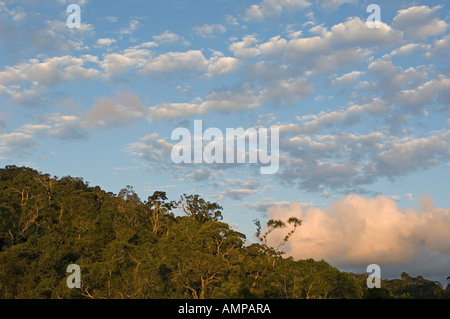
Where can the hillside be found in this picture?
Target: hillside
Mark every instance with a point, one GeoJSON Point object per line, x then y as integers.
{"type": "Point", "coordinates": [129, 248]}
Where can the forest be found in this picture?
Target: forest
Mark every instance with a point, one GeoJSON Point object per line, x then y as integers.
{"type": "Point", "coordinates": [128, 248]}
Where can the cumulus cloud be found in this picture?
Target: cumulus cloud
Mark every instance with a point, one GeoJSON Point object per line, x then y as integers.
{"type": "Point", "coordinates": [223, 65]}
{"type": "Point", "coordinates": [105, 42]}
{"type": "Point", "coordinates": [192, 60]}
{"type": "Point", "coordinates": [347, 78]}
{"type": "Point", "coordinates": [269, 8]}
{"type": "Point", "coordinates": [17, 143]}
{"type": "Point", "coordinates": [353, 32]}
{"type": "Point", "coordinates": [406, 155]}
{"type": "Point", "coordinates": [167, 37]}
{"type": "Point", "coordinates": [209, 30]}
{"type": "Point", "coordinates": [420, 22]}
{"type": "Point", "coordinates": [404, 50]}
{"type": "Point", "coordinates": [410, 89]}
{"type": "Point", "coordinates": [237, 189]}
{"type": "Point", "coordinates": [132, 26]}
{"type": "Point", "coordinates": [358, 231]}
{"type": "Point", "coordinates": [225, 100]}
{"type": "Point", "coordinates": [107, 113]}
{"type": "Point", "coordinates": [274, 46]}
{"type": "Point", "coordinates": [35, 129]}
{"type": "Point", "coordinates": [441, 47]}
{"type": "Point", "coordinates": [245, 48]}
{"type": "Point", "coordinates": [152, 148]}
{"type": "Point", "coordinates": [231, 20]}
{"type": "Point", "coordinates": [50, 71]}
{"type": "Point", "coordinates": [336, 3]}
{"type": "Point", "coordinates": [432, 92]}
{"type": "Point", "coordinates": [238, 98]}
{"type": "Point", "coordinates": [17, 139]}
{"type": "Point", "coordinates": [264, 204]}
{"type": "Point", "coordinates": [116, 63]}
{"type": "Point", "coordinates": [202, 174]}
{"type": "Point", "coordinates": [345, 43]}
{"type": "Point", "coordinates": [344, 161]}
{"type": "Point", "coordinates": [66, 127]}
{"type": "Point", "coordinates": [287, 91]}
{"type": "Point", "coordinates": [169, 111]}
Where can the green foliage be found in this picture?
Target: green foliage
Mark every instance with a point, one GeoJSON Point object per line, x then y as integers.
{"type": "Point", "coordinates": [127, 248]}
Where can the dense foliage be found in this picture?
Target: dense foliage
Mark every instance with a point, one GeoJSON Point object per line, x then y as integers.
{"type": "Point", "coordinates": [128, 248]}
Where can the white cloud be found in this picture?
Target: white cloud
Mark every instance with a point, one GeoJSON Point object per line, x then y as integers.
{"type": "Point", "coordinates": [236, 99]}
{"type": "Point", "coordinates": [403, 155]}
{"type": "Point", "coordinates": [245, 48]}
{"type": "Point", "coordinates": [231, 20]}
{"type": "Point", "coordinates": [403, 50]}
{"type": "Point", "coordinates": [17, 143]}
{"type": "Point", "coordinates": [354, 31]}
{"type": "Point", "coordinates": [237, 189]}
{"type": "Point", "coordinates": [192, 60]}
{"type": "Point", "coordinates": [34, 129]}
{"type": "Point", "coordinates": [41, 74]}
{"type": "Point", "coordinates": [29, 97]}
{"type": "Point", "coordinates": [420, 22]}
{"type": "Point", "coordinates": [66, 127]}
{"type": "Point", "coordinates": [274, 46]}
{"type": "Point", "coordinates": [410, 89]}
{"type": "Point", "coordinates": [269, 8]}
{"type": "Point", "coordinates": [223, 65]}
{"type": "Point", "coordinates": [16, 139]}
{"type": "Point", "coordinates": [167, 37]}
{"type": "Point", "coordinates": [112, 19]}
{"type": "Point", "coordinates": [336, 3]}
{"type": "Point", "coordinates": [409, 196]}
{"type": "Point", "coordinates": [202, 174]}
{"type": "Point", "coordinates": [344, 161]}
{"type": "Point", "coordinates": [348, 78]}
{"type": "Point", "coordinates": [287, 91]}
{"type": "Point", "coordinates": [168, 111]}
{"type": "Point", "coordinates": [346, 43]}
{"type": "Point", "coordinates": [114, 112]}
{"type": "Point", "coordinates": [209, 30]}
{"type": "Point", "coordinates": [133, 25]}
{"type": "Point", "coordinates": [105, 42]}
{"type": "Point", "coordinates": [151, 148]}
{"type": "Point", "coordinates": [419, 97]}
{"type": "Point", "coordinates": [441, 47]}
{"type": "Point", "coordinates": [116, 63]}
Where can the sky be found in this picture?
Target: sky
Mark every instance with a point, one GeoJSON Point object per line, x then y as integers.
{"type": "Point", "coordinates": [362, 113]}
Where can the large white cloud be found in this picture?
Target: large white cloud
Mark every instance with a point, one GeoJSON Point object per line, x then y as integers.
{"type": "Point", "coordinates": [360, 231]}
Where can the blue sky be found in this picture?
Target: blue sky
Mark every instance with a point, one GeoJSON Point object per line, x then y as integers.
{"type": "Point", "coordinates": [363, 113]}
